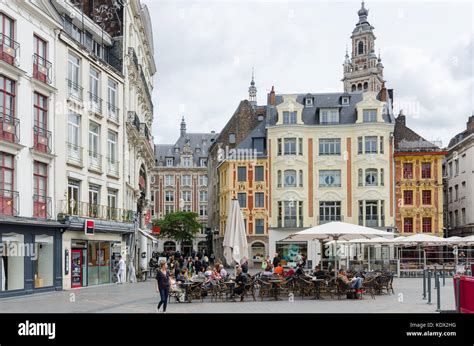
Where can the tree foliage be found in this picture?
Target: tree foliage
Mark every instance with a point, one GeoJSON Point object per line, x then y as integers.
{"type": "Point", "coordinates": [179, 226]}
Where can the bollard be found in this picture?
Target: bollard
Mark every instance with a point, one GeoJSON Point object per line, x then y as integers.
{"type": "Point", "coordinates": [444, 275]}
{"type": "Point", "coordinates": [424, 284]}
{"type": "Point", "coordinates": [438, 293]}
{"type": "Point", "coordinates": [429, 286]}
{"type": "Point", "coordinates": [434, 277]}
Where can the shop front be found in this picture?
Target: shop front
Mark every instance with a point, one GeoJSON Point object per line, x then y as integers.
{"type": "Point", "coordinates": [290, 251]}
{"type": "Point", "coordinates": [91, 260]}
{"type": "Point", "coordinates": [30, 255]}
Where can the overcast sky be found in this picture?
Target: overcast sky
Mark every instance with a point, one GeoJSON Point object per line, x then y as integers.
{"type": "Point", "coordinates": [205, 51]}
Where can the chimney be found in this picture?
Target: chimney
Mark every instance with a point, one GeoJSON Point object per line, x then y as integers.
{"type": "Point", "coordinates": [470, 124]}
{"type": "Point", "coordinates": [271, 97]}
{"type": "Point", "coordinates": [401, 117]}
{"type": "Point", "coordinates": [383, 93]}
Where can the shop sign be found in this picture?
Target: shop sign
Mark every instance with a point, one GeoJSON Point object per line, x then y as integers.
{"type": "Point", "coordinates": [89, 227]}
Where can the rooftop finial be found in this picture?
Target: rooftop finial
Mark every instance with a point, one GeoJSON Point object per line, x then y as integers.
{"type": "Point", "coordinates": [183, 127]}
{"type": "Point", "coordinates": [363, 13]}
{"type": "Point", "coordinates": [253, 91]}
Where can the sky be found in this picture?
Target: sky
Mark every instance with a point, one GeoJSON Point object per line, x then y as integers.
{"type": "Point", "coordinates": [205, 51]}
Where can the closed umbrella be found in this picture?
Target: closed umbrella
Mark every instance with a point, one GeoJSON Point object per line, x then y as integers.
{"type": "Point", "coordinates": [235, 238]}
{"type": "Point", "coordinates": [337, 231]}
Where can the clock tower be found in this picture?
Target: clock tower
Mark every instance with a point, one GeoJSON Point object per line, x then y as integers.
{"type": "Point", "coordinates": [363, 70]}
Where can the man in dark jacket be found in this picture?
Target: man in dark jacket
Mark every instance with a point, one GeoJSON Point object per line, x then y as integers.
{"type": "Point", "coordinates": [276, 261]}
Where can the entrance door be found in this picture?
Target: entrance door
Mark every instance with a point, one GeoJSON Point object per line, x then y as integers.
{"type": "Point", "coordinates": [76, 265]}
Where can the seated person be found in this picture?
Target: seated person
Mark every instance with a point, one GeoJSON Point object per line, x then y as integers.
{"type": "Point", "coordinates": [174, 288]}
{"type": "Point", "coordinates": [289, 273]}
{"type": "Point", "coordinates": [299, 270]}
{"type": "Point", "coordinates": [268, 271]}
{"type": "Point", "coordinates": [208, 272]}
{"type": "Point", "coordinates": [318, 273]}
{"type": "Point", "coordinates": [279, 270]}
{"type": "Point", "coordinates": [240, 281]}
{"type": "Point", "coordinates": [182, 277]}
{"type": "Point", "coordinates": [223, 273]}
{"type": "Point", "coordinates": [355, 282]}
{"type": "Point", "coordinates": [216, 276]}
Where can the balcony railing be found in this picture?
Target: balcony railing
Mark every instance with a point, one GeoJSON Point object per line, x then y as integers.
{"type": "Point", "coordinates": [95, 103]}
{"type": "Point", "coordinates": [9, 128]}
{"type": "Point", "coordinates": [74, 90]}
{"type": "Point", "coordinates": [42, 207]}
{"type": "Point", "coordinates": [372, 221]}
{"type": "Point", "coordinates": [74, 154]}
{"type": "Point", "coordinates": [101, 212]}
{"type": "Point", "coordinates": [145, 131]}
{"type": "Point", "coordinates": [134, 120]}
{"type": "Point", "coordinates": [9, 202]}
{"type": "Point", "coordinates": [42, 139]}
{"type": "Point", "coordinates": [42, 69]}
{"type": "Point", "coordinates": [329, 218]}
{"type": "Point", "coordinates": [131, 51]}
{"type": "Point", "coordinates": [9, 50]}
{"type": "Point", "coordinates": [113, 112]}
{"type": "Point", "coordinates": [95, 160]}
{"type": "Point", "coordinates": [112, 167]}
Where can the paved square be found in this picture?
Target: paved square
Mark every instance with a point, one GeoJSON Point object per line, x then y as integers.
{"type": "Point", "coordinates": [142, 298]}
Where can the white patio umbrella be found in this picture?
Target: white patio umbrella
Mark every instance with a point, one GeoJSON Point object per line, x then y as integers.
{"type": "Point", "coordinates": [422, 239]}
{"type": "Point", "coordinates": [235, 239]}
{"type": "Point", "coordinates": [337, 231]}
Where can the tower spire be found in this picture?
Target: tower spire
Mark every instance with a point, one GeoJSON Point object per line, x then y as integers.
{"type": "Point", "coordinates": [253, 91]}
{"type": "Point", "coordinates": [183, 127]}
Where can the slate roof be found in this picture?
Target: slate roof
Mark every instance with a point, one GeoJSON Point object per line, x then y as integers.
{"type": "Point", "coordinates": [201, 141]}
{"type": "Point", "coordinates": [407, 140]}
{"type": "Point", "coordinates": [310, 115]}
{"type": "Point", "coordinates": [460, 136]}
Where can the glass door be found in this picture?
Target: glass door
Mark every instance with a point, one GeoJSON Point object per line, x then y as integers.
{"type": "Point", "coordinates": [77, 268]}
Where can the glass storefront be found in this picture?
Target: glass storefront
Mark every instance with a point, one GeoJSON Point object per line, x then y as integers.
{"type": "Point", "coordinates": [92, 263]}
{"type": "Point", "coordinates": [291, 252]}
{"type": "Point", "coordinates": [44, 261]}
{"type": "Point", "coordinates": [12, 261]}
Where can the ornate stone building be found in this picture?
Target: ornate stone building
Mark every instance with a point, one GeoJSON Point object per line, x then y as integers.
{"type": "Point", "coordinates": [180, 182]}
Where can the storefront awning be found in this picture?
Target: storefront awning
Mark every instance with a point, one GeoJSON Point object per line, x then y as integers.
{"type": "Point", "coordinates": [148, 235]}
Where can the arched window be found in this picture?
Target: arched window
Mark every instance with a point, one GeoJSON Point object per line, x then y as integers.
{"type": "Point", "coordinates": [290, 178]}
{"type": "Point", "coordinates": [353, 87]}
{"type": "Point", "coordinates": [366, 86]}
{"type": "Point", "coordinates": [169, 246]}
{"type": "Point", "coordinates": [257, 251]}
{"type": "Point", "coordinates": [360, 48]}
{"type": "Point", "coordinates": [359, 86]}
{"type": "Point", "coordinates": [371, 177]}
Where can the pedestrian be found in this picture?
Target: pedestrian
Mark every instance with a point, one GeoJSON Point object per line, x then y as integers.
{"type": "Point", "coordinates": [163, 285]}
{"type": "Point", "coordinates": [121, 270]}
{"type": "Point", "coordinates": [212, 258]}
{"type": "Point", "coordinates": [197, 264]}
{"type": "Point", "coordinates": [276, 260]}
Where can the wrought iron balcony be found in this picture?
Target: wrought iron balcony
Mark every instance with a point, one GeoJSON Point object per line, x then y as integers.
{"type": "Point", "coordinates": [42, 69]}
{"type": "Point", "coordinates": [113, 112]}
{"type": "Point", "coordinates": [74, 90]}
{"type": "Point", "coordinates": [74, 154]}
{"type": "Point", "coordinates": [95, 161]}
{"type": "Point", "coordinates": [112, 167]}
{"type": "Point", "coordinates": [42, 207]}
{"type": "Point", "coordinates": [95, 103]}
{"type": "Point", "coordinates": [96, 211]}
{"type": "Point", "coordinates": [9, 202]}
{"type": "Point", "coordinates": [9, 128]}
{"type": "Point", "coordinates": [42, 139]}
{"type": "Point", "coordinates": [134, 120]}
{"type": "Point", "coordinates": [9, 50]}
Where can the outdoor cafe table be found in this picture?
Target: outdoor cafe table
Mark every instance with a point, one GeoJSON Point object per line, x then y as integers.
{"type": "Point", "coordinates": [229, 285]}
{"type": "Point", "coordinates": [187, 286]}
{"type": "Point", "coordinates": [275, 287]}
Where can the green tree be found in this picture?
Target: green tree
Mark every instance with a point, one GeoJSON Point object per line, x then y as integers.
{"type": "Point", "coordinates": [179, 226]}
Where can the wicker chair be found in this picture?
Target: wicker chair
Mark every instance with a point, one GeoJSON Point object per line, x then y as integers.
{"type": "Point", "coordinates": [383, 281]}
{"type": "Point", "coordinates": [195, 291]}
{"type": "Point", "coordinates": [370, 285]}
{"type": "Point", "coordinates": [265, 288]}
{"type": "Point", "coordinates": [305, 287]}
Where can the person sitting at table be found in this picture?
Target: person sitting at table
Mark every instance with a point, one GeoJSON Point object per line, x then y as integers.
{"type": "Point", "coordinates": [216, 276]}
{"type": "Point", "coordinates": [208, 272]}
{"type": "Point", "coordinates": [222, 271]}
{"type": "Point", "coordinates": [240, 281]}
{"type": "Point", "coordinates": [279, 269]}
{"type": "Point", "coordinates": [318, 273]}
{"type": "Point", "coordinates": [289, 273]}
{"type": "Point", "coordinates": [268, 271]}
{"type": "Point", "coordinates": [174, 288]}
{"type": "Point", "coordinates": [355, 282]}
{"type": "Point", "coordinates": [299, 270]}
{"type": "Point", "coordinates": [182, 277]}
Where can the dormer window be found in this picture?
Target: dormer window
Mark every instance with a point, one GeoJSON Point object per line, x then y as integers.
{"type": "Point", "coordinates": [289, 118]}
{"type": "Point", "coordinates": [329, 116]}
{"type": "Point", "coordinates": [169, 162]}
{"type": "Point", "coordinates": [309, 102]}
{"type": "Point", "coordinates": [232, 138]}
{"type": "Point", "coordinates": [186, 161]}
{"type": "Point", "coordinates": [370, 115]}
{"type": "Point", "coordinates": [345, 100]}
{"type": "Point", "coordinates": [203, 162]}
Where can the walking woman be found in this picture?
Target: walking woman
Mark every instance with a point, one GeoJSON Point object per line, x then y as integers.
{"type": "Point", "coordinates": [163, 285]}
